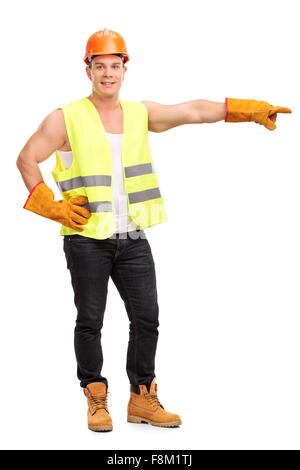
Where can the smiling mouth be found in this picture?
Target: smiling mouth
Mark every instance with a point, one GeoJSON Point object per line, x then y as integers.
{"type": "Point", "coordinates": [108, 84]}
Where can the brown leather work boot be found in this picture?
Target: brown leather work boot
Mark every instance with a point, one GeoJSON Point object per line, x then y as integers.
{"type": "Point", "coordinates": [145, 407]}
{"type": "Point", "coordinates": [98, 415]}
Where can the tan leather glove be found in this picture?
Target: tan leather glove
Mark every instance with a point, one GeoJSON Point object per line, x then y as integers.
{"type": "Point", "coordinates": [69, 213]}
{"type": "Point", "coordinates": [239, 110]}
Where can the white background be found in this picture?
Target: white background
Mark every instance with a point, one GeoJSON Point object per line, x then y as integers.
{"type": "Point", "coordinates": [227, 261]}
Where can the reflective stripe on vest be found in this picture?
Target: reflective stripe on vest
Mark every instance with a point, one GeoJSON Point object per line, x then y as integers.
{"type": "Point", "coordinates": [137, 170]}
{"type": "Point", "coordinates": [146, 195]}
{"type": "Point", "coordinates": [98, 206]}
{"type": "Point", "coordinates": [80, 181]}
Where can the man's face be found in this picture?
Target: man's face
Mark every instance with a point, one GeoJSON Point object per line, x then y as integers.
{"type": "Point", "coordinates": [106, 68]}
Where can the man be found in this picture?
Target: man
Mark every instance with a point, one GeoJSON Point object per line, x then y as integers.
{"type": "Point", "coordinates": [110, 195]}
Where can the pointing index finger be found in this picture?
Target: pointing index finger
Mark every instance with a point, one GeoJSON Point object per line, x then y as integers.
{"type": "Point", "coordinates": [280, 109]}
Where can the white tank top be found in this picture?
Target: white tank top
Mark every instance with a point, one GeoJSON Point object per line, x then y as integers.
{"type": "Point", "coordinates": [122, 221]}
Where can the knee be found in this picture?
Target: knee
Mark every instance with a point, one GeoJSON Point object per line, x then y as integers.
{"type": "Point", "coordinates": [147, 324]}
{"type": "Point", "coordinates": [88, 326]}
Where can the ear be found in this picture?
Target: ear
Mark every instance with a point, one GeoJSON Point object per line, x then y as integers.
{"type": "Point", "coordinates": [88, 72]}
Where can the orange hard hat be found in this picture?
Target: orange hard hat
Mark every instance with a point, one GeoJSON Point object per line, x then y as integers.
{"type": "Point", "coordinates": [105, 41]}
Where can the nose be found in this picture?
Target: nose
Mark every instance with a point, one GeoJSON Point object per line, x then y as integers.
{"type": "Point", "coordinates": [107, 71]}
{"type": "Point", "coordinates": [108, 75]}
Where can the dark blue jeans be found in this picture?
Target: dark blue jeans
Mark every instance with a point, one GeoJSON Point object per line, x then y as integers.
{"type": "Point", "coordinates": [127, 258]}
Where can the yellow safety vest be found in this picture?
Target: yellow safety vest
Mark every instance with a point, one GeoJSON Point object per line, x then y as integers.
{"type": "Point", "coordinates": [90, 173]}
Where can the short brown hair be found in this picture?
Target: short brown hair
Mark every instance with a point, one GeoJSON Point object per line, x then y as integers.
{"type": "Point", "coordinates": [90, 59]}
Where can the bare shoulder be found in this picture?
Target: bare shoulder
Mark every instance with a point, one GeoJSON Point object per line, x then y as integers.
{"type": "Point", "coordinates": [54, 125]}
{"type": "Point", "coordinates": [155, 111]}
{"type": "Point", "coordinates": [151, 105]}
{"type": "Point", "coordinates": [54, 121]}
{"type": "Point", "coordinates": [50, 136]}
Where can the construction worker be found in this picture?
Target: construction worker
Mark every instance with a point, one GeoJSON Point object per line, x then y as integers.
{"type": "Point", "coordinates": [110, 191]}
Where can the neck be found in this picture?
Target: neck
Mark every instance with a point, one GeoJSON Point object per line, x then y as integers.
{"type": "Point", "coordinates": [105, 103]}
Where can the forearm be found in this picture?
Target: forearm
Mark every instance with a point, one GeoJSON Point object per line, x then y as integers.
{"type": "Point", "coordinates": [30, 173]}
{"type": "Point", "coordinates": [210, 111]}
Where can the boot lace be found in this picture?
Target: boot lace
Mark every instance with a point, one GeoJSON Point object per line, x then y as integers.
{"type": "Point", "coordinates": [98, 402]}
{"type": "Point", "coordinates": [153, 399]}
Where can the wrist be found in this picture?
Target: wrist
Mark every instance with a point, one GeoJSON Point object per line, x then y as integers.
{"type": "Point", "coordinates": [226, 104]}
{"type": "Point", "coordinates": [31, 193]}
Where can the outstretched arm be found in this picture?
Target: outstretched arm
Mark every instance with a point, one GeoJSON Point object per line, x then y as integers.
{"type": "Point", "coordinates": [163, 117]}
